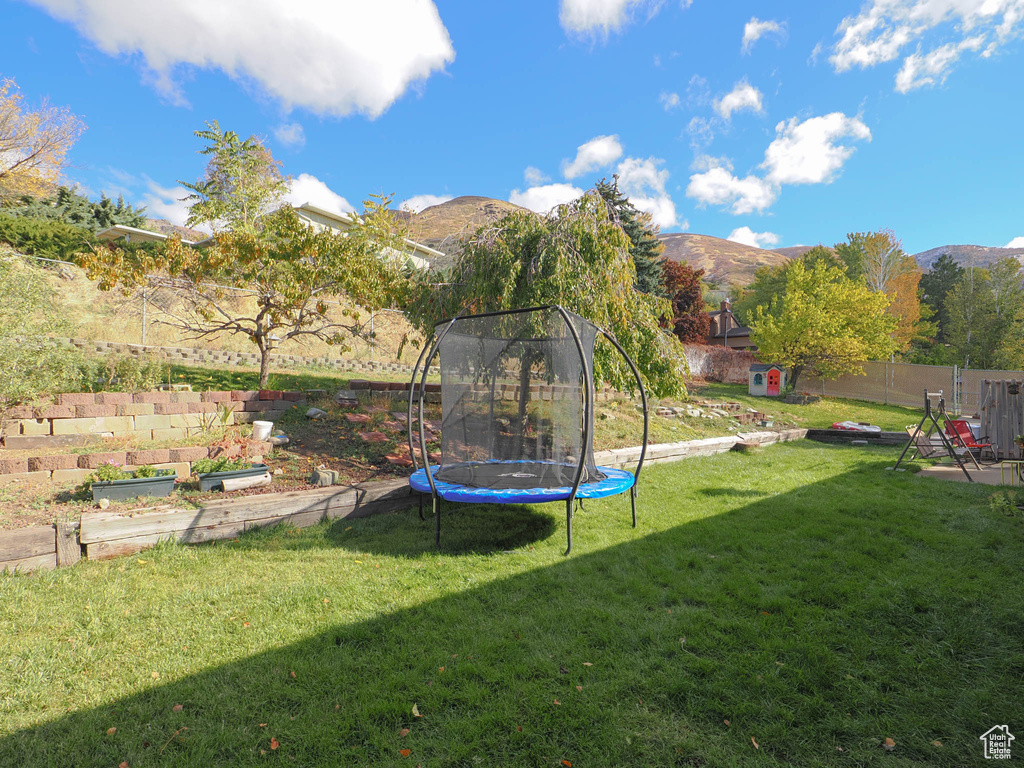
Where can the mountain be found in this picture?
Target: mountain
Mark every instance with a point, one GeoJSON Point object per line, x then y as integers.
{"type": "Point", "coordinates": [724, 262]}
{"type": "Point", "coordinates": [164, 227]}
{"type": "Point", "coordinates": [793, 251]}
{"type": "Point", "coordinates": [441, 226]}
{"type": "Point", "coordinates": [968, 255]}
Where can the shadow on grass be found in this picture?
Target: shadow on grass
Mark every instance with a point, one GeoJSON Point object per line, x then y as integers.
{"type": "Point", "coordinates": [827, 618]}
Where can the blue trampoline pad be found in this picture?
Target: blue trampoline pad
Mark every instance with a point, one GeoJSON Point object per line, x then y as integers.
{"type": "Point", "coordinates": [615, 481]}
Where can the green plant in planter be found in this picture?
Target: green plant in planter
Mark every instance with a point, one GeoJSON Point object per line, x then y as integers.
{"type": "Point", "coordinates": [206, 466]}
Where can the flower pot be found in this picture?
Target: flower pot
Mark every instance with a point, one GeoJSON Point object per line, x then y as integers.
{"type": "Point", "coordinates": [212, 481]}
{"type": "Point", "coordinates": [121, 490]}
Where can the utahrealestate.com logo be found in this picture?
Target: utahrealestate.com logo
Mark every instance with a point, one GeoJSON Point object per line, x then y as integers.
{"type": "Point", "coordinates": [997, 742]}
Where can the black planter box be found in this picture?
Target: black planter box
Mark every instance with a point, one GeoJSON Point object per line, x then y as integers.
{"type": "Point", "coordinates": [211, 481]}
{"type": "Point", "coordinates": [121, 490]}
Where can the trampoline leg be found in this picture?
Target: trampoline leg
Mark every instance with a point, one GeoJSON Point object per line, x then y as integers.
{"type": "Point", "coordinates": [421, 506]}
{"type": "Point", "coordinates": [568, 524]}
{"type": "Point", "coordinates": [632, 501]}
{"type": "Point", "coordinates": [437, 521]}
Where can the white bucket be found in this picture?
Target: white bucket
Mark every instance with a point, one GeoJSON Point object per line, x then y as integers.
{"type": "Point", "coordinates": [261, 429]}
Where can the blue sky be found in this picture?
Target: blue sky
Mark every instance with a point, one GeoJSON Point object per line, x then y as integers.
{"type": "Point", "coordinates": [774, 124]}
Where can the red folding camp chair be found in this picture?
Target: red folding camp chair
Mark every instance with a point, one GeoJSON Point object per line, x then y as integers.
{"type": "Point", "coordinates": [961, 436]}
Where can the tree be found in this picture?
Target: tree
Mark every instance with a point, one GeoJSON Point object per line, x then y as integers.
{"type": "Point", "coordinates": [823, 323]}
{"type": "Point", "coordinates": [1010, 352]}
{"type": "Point", "coordinates": [644, 246]}
{"type": "Point", "coordinates": [690, 321]}
{"type": "Point", "coordinates": [73, 208]}
{"type": "Point", "coordinates": [936, 284]}
{"type": "Point", "coordinates": [577, 257]}
{"type": "Point", "coordinates": [33, 143]}
{"type": "Point", "coordinates": [973, 322]}
{"type": "Point", "coordinates": [241, 184]}
{"type": "Point", "coordinates": [267, 276]}
{"type": "Point", "coordinates": [770, 282]}
{"type": "Point", "coordinates": [34, 364]}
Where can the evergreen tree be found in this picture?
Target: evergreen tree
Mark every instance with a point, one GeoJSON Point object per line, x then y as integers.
{"type": "Point", "coordinates": [70, 207]}
{"type": "Point", "coordinates": [644, 246]}
{"type": "Point", "coordinates": [936, 284]}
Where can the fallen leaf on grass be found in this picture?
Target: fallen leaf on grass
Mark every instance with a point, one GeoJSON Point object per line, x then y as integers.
{"type": "Point", "coordinates": [579, 687]}
{"type": "Point", "coordinates": [405, 752]}
{"type": "Point", "coordinates": [587, 664]}
{"type": "Point", "coordinates": [416, 711]}
{"type": "Point", "coordinates": [123, 764]}
{"type": "Point", "coordinates": [274, 743]}
{"type": "Point", "coordinates": [727, 722]}
{"type": "Point", "coordinates": [111, 731]}
{"type": "Point", "coordinates": [519, 728]}
{"type": "Point", "coordinates": [177, 708]}
{"type": "Point", "coordinates": [403, 733]}
{"type": "Point", "coordinates": [292, 673]}
{"type": "Point", "coordinates": [558, 702]}
{"type": "Point", "coordinates": [155, 675]}
{"type": "Point", "coordinates": [567, 763]}
{"type": "Point", "coordinates": [143, 562]}
{"type": "Point", "coordinates": [937, 743]}
{"type": "Point", "coordinates": [754, 742]}
{"type": "Point", "coordinates": [245, 624]}
{"type": "Point", "coordinates": [889, 745]}
{"type": "Point", "coordinates": [440, 669]}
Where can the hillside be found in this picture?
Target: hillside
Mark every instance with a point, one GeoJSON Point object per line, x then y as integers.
{"type": "Point", "coordinates": [968, 255]}
{"type": "Point", "coordinates": [441, 226]}
{"type": "Point", "coordinates": [164, 227]}
{"type": "Point", "coordinates": [724, 262]}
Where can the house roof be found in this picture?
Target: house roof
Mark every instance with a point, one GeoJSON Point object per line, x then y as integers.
{"type": "Point", "coordinates": [760, 367]}
{"type": "Point", "coordinates": [133, 233]}
{"type": "Point", "coordinates": [739, 330]}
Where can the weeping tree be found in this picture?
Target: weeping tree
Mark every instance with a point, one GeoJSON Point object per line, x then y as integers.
{"type": "Point", "coordinates": [577, 257]}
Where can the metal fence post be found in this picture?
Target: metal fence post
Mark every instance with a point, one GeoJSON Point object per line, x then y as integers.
{"type": "Point", "coordinates": [956, 390]}
{"type": "Point", "coordinates": [886, 382]}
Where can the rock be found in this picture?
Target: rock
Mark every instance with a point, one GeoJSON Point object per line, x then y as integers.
{"type": "Point", "coordinates": [694, 413]}
{"type": "Point", "coordinates": [345, 397]}
{"type": "Point", "coordinates": [316, 413]}
{"type": "Point", "coordinates": [374, 437]}
{"type": "Point", "coordinates": [358, 418]}
{"type": "Point", "coordinates": [858, 442]}
{"type": "Point", "coordinates": [323, 477]}
{"type": "Point", "coordinates": [278, 471]}
{"type": "Point", "coordinates": [278, 440]}
{"type": "Point", "coordinates": [719, 412]}
{"type": "Point", "coordinates": [103, 503]}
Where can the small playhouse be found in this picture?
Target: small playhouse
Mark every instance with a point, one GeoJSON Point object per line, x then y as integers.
{"type": "Point", "coordinates": [766, 380]}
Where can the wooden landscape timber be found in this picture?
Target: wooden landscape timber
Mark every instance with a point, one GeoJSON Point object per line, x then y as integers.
{"type": "Point", "coordinates": [27, 549]}
{"type": "Point", "coordinates": [848, 436]}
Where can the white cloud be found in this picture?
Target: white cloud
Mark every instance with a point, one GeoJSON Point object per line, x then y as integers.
{"type": "Point", "coordinates": [543, 198]}
{"type": "Point", "coordinates": [742, 96]}
{"type": "Point", "coordinates": [933, 67]}
{"type": "Point", "coordinates": [807, 152]}
{"type": "Point", "coordinates": [702, 133]}
{"type": "Point", "coordinates": [306, 188]}
{"type": "Point", "coordinates": [417, 203]}
{"type": "Point", "coordinates": [707, 162]}
{"type": "Point", "coordinates": [1017, 242]}
{"type": "Point", "coordinates": [747, 236]}
{"type": "Point", "coordinates": [597, 153]}
{"type": "Point", "coordinates": [643, 182]}
{"type": "Point", "coordinates": [326, 56]}
{"type": "Point", "coordinates": [167, 203]}
{"type": "Point", "coordinates": [535, 176]}
{"type": "Point", "coordinates": [718, 186]}
{"type": "Point", "coordinates": [290, 135]}
{"type": "Point", "coordinates": [755, 29]}
{"type": "Point", "coordinates": [815, 53]}
{"type": "Point", "coordinates": [669, 100]}
{"type": "Point", "coordinates": [884, 27]}
{"type": "Point", "coordinates": [601, 17]}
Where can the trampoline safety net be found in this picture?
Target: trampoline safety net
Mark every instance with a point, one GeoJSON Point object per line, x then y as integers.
{"type": "Point", "coordinates": [512, 400]}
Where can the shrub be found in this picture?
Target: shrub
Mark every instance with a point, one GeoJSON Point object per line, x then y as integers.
{"type": "Point", "coordinates": [206, 466]}
{"type": "Point", "coordinates": [40, 237]}
{"type": "Point", "coordinates": [124, 373]}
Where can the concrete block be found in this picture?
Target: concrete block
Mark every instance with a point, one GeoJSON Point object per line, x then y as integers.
{"type": "Point", "coordinates": [93, 460]}
{"type": "Point", "coordinates": [115, 424]}
{"type": "Point", "coordinates": [35, 427]}
{"type": "Point", "coordinates": [244, 396]}
{"type": "Point", "coordinates": [21, 412]}
{"type": "Point", "coordinates": [25, 477]}
{"type": "Point", "coordinates": [45, 442]}
{"type": "Point", "coordinates": [152, 456]}
{"type": "Point", "coordinates": [76, 399]}
{"type": "Point", "coordinates": [114, 398]}
{"type": "Point", "coordinates": [187, 420]}
{"type": "Point", "coordinates": [50, 463]}
{"type": "Point", "coordinates": [271, 394]}
{"type": "Point", "coordinates": [293, 396]}
{"type": "Point", "coordinates": [259, 405]}
{"type": "Point", "coordinates": [75, 476]}
{"type": "Point", "coordinates": [186, 397]}
{"type": "Point", "coordinates": [171, 433]}
{"type": "Point", "coordinates": [181, 468]}
{"type": "Point", "coordinates": [134, 409]}
{"type": "Point", "coordinates": [56, 412]}
{"type": "Point", "coordinates": [143, 423]}
{"type": "Point", "coordinates": [13, 466]}
{"type": "Point", "coordinates": [152, 397]}
{"type": "Point", "coordinates": [216, 397]}
{"type": "Point", "coordinates": [202, 407]}
{"type": "Point", "coordinates": [189, 454]}
{"type": "Point", "coordinates": [94, 411]}
{"type": "Point", "coordinates": [248, 417]}
{"type": "Point", "coordinates": [170, 408]}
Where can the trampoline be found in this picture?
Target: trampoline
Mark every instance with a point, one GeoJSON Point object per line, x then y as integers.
{"type": "Point", "coordinates": [517, 413]}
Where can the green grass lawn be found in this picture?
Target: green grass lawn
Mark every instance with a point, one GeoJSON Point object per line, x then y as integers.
{"type": "Point", "coordinates": [804, 598]}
